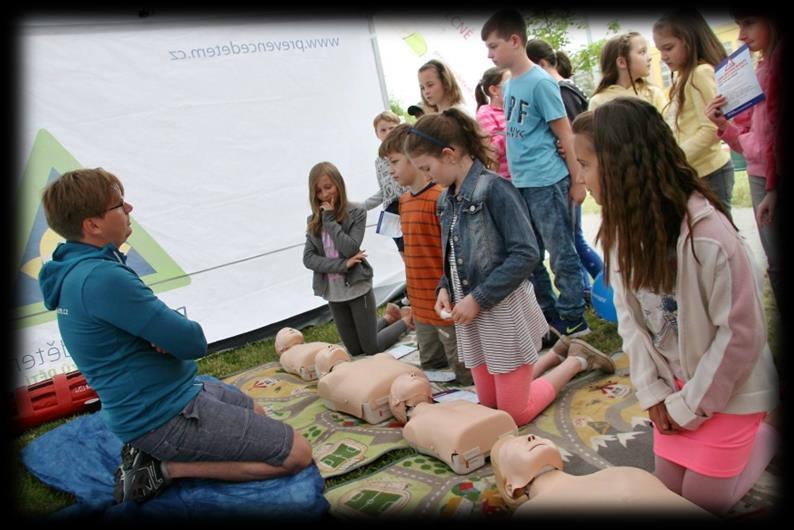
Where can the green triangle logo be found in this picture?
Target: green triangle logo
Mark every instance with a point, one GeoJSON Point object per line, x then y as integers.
{"type": "Point", "coordinates": [48, 160]}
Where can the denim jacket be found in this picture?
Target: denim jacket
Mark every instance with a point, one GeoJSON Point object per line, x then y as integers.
{"type": "Point", "coordinates": [495, 246]}
{"type": "Point", "coordinates": [347, 238]}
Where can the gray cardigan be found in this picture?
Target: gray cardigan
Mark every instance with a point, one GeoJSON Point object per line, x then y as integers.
{"type": "Point", "coordinates": [347, 238]}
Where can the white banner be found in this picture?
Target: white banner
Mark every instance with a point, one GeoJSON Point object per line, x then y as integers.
{"type": "Point", "coordinates": [451, 37]}
{"type": "Point", "coordinates": [212, 126]}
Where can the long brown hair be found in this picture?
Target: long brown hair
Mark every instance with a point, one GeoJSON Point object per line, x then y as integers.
{"type": "Point", "coordinates": [645, 184]}
{"type": "Point", "coordinates": [451, 88]}
{"type": "Point", "coordinates": [448, 128]}
{"type": "Point", "coordinates": [340, 208]}
{"type": "Point", "coordinates": [615, 48]}
{"type": "Point", "coordinates": [701, 44]}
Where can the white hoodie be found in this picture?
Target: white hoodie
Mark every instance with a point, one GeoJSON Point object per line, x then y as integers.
{"type": "Point", "coordinates": [724, 355]}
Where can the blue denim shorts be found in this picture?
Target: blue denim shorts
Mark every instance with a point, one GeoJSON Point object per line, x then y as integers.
{"type": "Point", "coordinates": [220, 425]}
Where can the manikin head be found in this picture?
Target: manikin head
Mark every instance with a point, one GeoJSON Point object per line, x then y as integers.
{"type": "Point", "coordinates": [329, 357]}
{"type": "Point", "coordinates": [407, 391]}
{"type": "Point", "coordinates": [517, 460]}
{"type": "Point", "coordinates": [286, 338]}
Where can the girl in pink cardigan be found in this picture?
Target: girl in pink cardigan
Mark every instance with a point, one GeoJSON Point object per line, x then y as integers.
{"type": "Point", "coordinates": [749, 133]}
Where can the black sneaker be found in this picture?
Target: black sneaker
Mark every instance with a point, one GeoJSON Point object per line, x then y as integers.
{"type": "Point", "coordinates": [570, 328]}
{"type": "Point", "coordinates": [549, 340]}
{"type": "Point", "coordinates": [139, 477]}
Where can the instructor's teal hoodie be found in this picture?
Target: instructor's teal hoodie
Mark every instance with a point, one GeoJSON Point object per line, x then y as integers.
{"type": "Point", "coordinates": [109, 319]}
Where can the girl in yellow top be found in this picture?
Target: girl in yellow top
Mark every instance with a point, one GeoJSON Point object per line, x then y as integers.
{"type": "Point", "coordinates": [692, 50]}
{"type": "Point", "coordinates": [625, 65]}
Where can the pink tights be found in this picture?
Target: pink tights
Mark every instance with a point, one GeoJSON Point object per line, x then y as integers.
{"type": "Point", "coordinates": [715, 494]}
{"type": "Point", "coordinates": [515, 392]}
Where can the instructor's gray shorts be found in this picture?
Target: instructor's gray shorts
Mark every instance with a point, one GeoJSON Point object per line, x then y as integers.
{"type": "Point", "coordinates": [220, 425]}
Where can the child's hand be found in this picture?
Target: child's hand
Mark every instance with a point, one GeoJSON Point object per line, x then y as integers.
{"type": "Point", "coordinates": [465, 311]}
{"type": "Point", "coordinates": [560, 149]}
{"type": "Point", "coordinates": [577, 193]}
{"type": "Point", "coordinates": [715, 114]}
{"type": "Point", "coordinates": [662, 419]}
{"type": "Point", "coordinates": [357, 258]}
{"type": "Point", "coordinates": [443, 306]}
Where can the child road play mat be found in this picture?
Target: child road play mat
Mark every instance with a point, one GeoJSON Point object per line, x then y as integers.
{"type": "Point", "coordinates": [595, 421]}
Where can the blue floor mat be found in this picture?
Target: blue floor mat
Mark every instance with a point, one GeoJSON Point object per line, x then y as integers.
{"type": "Point", "coordinates": [80, 457]}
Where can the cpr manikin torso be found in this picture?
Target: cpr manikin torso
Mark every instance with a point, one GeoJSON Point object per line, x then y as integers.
{"type": "Point", "coordinates": [296, 357]}
{"type": "Point", "coordinates": [529, 477]}
{"type": "Point", "coordinates": [458, 432]}
{"type": "Point", "coordinates": [361, 388]}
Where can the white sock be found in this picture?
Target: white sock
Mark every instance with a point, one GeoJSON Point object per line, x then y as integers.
{"type": "Point", "coordinates": [582, 361]}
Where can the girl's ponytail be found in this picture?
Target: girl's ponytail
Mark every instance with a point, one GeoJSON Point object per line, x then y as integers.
{"type": "Point", "coordinates": [452, 127]}
{"type": "Point", "coordinates": [474, 140]}
{"type": "Point", "coordinates": [480, 96]}
{"type": "Point", "coordinates": [564, 67]}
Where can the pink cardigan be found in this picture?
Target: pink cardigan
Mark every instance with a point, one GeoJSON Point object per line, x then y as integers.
{"type": "Point", "coordinates": [492, 120]}
{"type": "Point", "coordinates": [748, 133]}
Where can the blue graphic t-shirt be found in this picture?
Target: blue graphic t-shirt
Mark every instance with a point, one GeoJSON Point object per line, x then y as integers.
{"type": "Point", "coordinates": [531, 101]}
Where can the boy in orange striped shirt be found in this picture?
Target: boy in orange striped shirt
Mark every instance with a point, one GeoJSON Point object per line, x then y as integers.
{"type": "Point", "coordinates": [423, 261]}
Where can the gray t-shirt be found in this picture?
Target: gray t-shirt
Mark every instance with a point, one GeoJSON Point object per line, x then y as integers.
{"type": "Point", "coordinates": [661, 319]}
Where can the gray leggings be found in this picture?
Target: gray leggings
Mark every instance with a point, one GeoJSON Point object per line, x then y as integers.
{"type": "Point", "coordinates": [361, 329]}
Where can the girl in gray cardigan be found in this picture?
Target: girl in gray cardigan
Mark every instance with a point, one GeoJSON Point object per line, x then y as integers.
{"type": "Point", "coordinates": [342, 275]}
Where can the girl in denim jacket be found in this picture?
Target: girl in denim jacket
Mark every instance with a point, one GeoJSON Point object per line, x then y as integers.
{"type": "Point", "coordinates": [489, 251]}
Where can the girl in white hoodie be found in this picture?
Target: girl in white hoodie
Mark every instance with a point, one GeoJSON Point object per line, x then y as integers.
{"type": "Point", "coordinates": [689, 306]}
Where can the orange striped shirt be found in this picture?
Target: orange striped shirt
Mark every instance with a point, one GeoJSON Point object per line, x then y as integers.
{"type": "Point", "coordinates": [423, 260]}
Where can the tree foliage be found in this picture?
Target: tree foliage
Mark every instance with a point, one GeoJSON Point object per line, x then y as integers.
{"type": "Point", "coordinates": [553, 26]}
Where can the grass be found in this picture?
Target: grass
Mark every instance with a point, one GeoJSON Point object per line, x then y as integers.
{"type": "Point", "coordinates": [36, 499]}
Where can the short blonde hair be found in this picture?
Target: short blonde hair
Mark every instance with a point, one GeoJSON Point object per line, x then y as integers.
{"type": "Point", "coordinates": [77, 195]}
{"type": "Point", "coordinates": [386, 115]}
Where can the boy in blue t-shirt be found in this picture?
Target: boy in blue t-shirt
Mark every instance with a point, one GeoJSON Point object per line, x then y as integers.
{"type": "Point", "coordinates": [139, 355]}
{"type": "Point", "coordinates": [535, 119]}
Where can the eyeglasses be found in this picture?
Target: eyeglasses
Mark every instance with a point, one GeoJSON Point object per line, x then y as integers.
{"type": "Point", "coordinates": [119, 205]}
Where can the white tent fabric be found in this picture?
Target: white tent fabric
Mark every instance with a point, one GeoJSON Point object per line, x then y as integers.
{"type": "Point", "coordinates": [212, 126]}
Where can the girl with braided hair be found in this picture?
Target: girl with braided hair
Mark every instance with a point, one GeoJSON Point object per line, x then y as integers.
{"type": "Point", "coordinates": [689, 305]}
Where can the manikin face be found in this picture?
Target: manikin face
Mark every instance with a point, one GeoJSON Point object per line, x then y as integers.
{"type": "Point", "coordinates": [440, 170]}
{"type": "Point", "coordinates": [383, 128]}
{"type": "Point", "coordinates": [522, 458]}
{"type": "Point", "coordinates": [672, 49]}
{"type": "Point", "coordinates": [431, 87]}
{"type": "Point", "coordinates": [501, 51]}
{"type": "Point", "coordinates": [588, 163]}
{"type": "Point", "coordinates": [329, 357]}
{"type": "Point", "coordinates": [286, 338]}
{"type": "Point", "coordinates": [407, 391]}
{"type": "Point", "coordinates": [326, 190]}
{"type": "Point", "coordinates": [754, 32]}
{"type": "Point", "coordinates": [402, 170]}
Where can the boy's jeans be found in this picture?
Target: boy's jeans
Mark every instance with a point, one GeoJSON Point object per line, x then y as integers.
{"type": "Point", "coordinates": [548, 212]}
